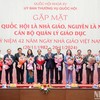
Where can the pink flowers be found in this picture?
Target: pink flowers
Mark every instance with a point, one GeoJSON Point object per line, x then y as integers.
{"type": "Point", "coordinates": [58, 59]}
{"type": "Point", "coordinates": [79, 61]}
{"type": "Point", "coordinates": [8, 62]}
{"type": "Point", "coordinates": [70, 62]}
{"type": "Point", "coordinates": [40, 61]}
{"type": "Point", "coordinates": [30, 61]}
{"type": "Point", "coordinates": [91, 61]}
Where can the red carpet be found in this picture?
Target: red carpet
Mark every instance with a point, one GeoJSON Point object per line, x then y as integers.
{"type": "Point", "coordinates": [53, 85]}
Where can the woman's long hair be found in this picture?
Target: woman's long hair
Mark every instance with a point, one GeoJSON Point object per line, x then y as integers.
{"type": "Point", "coordinates": [28, 52]}
{"type": "Point", "coordinates": [70, 52]}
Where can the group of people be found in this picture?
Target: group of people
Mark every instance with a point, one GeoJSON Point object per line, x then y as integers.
{"type": "Point", "coordinates": [53, 63]}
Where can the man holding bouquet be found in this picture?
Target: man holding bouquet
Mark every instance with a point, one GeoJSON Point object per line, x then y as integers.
{"type": "Point", "coordinates": [89, 60]}
{"type": "Point", "coordinates": [39, 61]}
{"type": "Point", "coordinates": [79, 66]}
{"type": "Point", "coordinates": [20, 61]}
{"type": "Point", "coordinates": [8, 64]}
{"type": "Point", "coordinates": [59, 59]}
{"type": "Point", "coordinates": [49, 57]}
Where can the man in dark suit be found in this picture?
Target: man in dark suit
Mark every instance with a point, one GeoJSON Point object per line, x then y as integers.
{"type": "Point", "coordinates": [9, 71]}
{"type": "Point", "coordinates": [89, 70]}
{"type": "Point", "coordinates": [39, 66]}
{"type": "Point", "coordinates": [79, 71]}
{"type": "Point", "coordinates": [57, 71]}
{"type": "Point", "coordinates": [49, 57]}
{"type": "Point", "coordinates": [19, 71]}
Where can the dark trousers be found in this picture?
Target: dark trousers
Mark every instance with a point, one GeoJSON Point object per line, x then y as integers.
{"type": "Point", "coordinates": [60, 76]}
{"type": "Point", "coordinates": [20, 75]}
{"type": "Point", "coordinates": [79, 76]}
{"type": "Point", "coordinates": [89, 74]}
{"type": "Point", "coordinates": [98, 75]}
{"type": "Point", "coordinates": [39, 76]}
{"type": "Point", "coordinates": [0, 75]}
{"type": "Point", "coordinates": [49, 71]}
{"type": "Point", "coordinates": [9, 75]}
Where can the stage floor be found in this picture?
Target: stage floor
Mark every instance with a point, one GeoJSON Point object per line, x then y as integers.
{"type": "Point", "coordinates": [53, 85]}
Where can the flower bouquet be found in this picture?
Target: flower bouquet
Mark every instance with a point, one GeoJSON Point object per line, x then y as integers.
{"type": "Point", "coordinates": [1, 61]}
{"type": "Point", "coordinates": [79, 61]}
{"type": "Point", "coordinates": [30, 61]}
{"type": "Point", "coordinates": [91, 61]}
{"type": "Point", "coordinates": [43, 87]}
{"type": "Point", "coordinates": [58, 59]}
{"type": "Point", "coordinates": [40, 61]}
{"type": "Point", "coordinates": [22, 60]}
{"type": "Point", "coordinates": [70, 62]}
{"type": "Point", "coordinates": [8, 62]}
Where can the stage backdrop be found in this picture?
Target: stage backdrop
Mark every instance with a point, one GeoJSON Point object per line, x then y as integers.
{"type": "Point", "coordinates": [39, 24]}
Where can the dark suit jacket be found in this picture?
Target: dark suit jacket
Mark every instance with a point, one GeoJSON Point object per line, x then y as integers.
{"type": "Point", "coordinates": [85, 60]}
{"type": "Point", "coordinates": [17, 58]}
{"type": "Point", "coordinates": [6, 56]}
{"type": "Point", "coordinates": [49, 61]}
